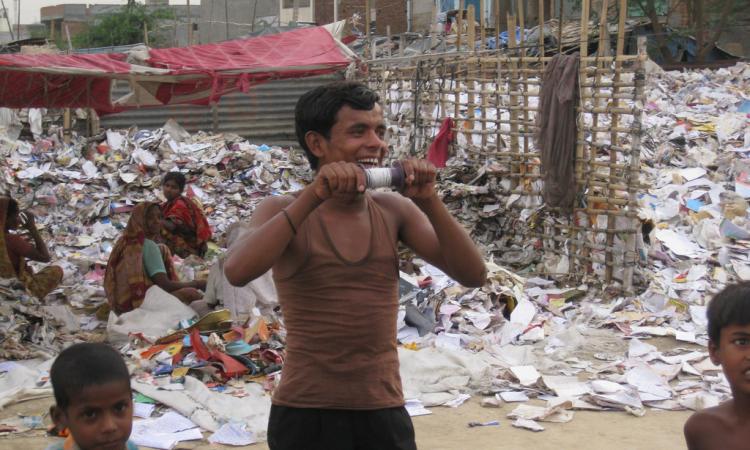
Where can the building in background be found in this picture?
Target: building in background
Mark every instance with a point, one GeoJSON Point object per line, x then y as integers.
{"type": "Point", "coordinates": [221, 20]}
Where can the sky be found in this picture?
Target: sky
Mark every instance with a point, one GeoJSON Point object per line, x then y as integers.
{"type": "Point", "coordinates": [30, 8]}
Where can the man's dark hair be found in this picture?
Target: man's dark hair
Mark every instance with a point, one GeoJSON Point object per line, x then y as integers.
{"type": "Point", "coordinates": [177, 177]}
{"type": "Point", "coordinates": [82, 365]}
{"type": "Point", "coordinates": [316, 110]}
{"type": "Point", "coordinates": [12, 208]}
{"type": "Point", "coordinates": [729, 307]}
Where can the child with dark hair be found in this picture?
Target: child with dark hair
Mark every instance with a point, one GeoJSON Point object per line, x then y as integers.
{"type": "Point", "coordinates": [727, 426]}
{"type": "Point", "coordinates": [185, 229]}
{"type": "Point", "coordinates": [93, 398]}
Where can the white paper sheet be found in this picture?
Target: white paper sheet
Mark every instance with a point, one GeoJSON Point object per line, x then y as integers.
{"type": "Point", "coordinates": [415, 408]}
{"type": "Point", "coordinates": [514, 396]}
{"type": "Point", "coordinates": [678, 244]}
{"type": "Point", "coordinates": [526, 375]}
{"type": "Point", "coordinates": [232, 434]}
{"type": "Point", "coordinates": [143, 410]}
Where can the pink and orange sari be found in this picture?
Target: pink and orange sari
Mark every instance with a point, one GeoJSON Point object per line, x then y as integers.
{"type": "Point", "coordinates": [126, 281]}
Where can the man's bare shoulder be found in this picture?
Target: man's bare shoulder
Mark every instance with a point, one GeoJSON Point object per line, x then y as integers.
{"type": "Point", "coordinates": [277, 201]}
{"type": "Point", "coordinates": [391, 201]}
{"type": "Point", "coordinates": [702, 427]}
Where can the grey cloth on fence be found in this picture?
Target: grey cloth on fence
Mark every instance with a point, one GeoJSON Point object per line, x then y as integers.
{"type": "Point", "coordinates": [556, 133]}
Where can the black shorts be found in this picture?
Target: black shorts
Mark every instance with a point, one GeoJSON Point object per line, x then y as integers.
{"type": "Point", "coordinates": [335, 429]}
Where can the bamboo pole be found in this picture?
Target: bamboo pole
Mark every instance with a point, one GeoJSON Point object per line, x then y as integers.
{"type": "Point", "coordinates": [580, 148]}
{"type": "Point", "coordinates": [459, 24]}
{"type": "Point", "coordinates": [471, 36]}
{"type": "Point", "coordinates": [482, 36]}
{"type": "Point", "coordinates": [541, 30]}
{"type": "Point", "coordinates": [514, 108]}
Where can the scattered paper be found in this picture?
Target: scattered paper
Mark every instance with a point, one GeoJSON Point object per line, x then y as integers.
{"type": "Point", "coordinates": [526, 375]}
{"type": "Point", "coordinates": [143, 410]}
{"type": "Point", "coordinates": [232, 434]}
{"type": "Point", "coordinates": [415, 408]}
{"type": "Point", "coordinates": [527, 424]}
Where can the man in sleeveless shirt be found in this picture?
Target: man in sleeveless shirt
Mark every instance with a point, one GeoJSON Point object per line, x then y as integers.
{"type": "Point", "coordinates": [333, 250]}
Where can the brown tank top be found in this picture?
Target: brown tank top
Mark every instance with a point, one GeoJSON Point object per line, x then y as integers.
{"type": "Point", "coordinates": [340, 318]}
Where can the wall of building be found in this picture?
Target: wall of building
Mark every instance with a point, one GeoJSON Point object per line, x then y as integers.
{"type": "Point", "coordinates": [384, 12]}
{"type": "Point", "coordinates": [305, 11]}
{"type": "Point", "coordinates": [244, 16]}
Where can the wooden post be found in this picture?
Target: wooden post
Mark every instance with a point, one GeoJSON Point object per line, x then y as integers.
{"type": "Point", "coordinates": [145, 33]}
{"type": "Point", "coordinates": [67, 36]}
{"type": "Point", "coordinates": [481, 25]}
{"type": "Point", "coordinates": [496, 13]}
{"type": "Point", "coordinates": [335, 10]}
{"type": "Point", "coordinates": [581, 135]}
{"type": "Point", "coordinates": [541, 33]}
{"type": "Point", "coordinates": [635, 155]}
{"type": "Point", "coordinates": [390, 43]}
{"type": "Point", "coordinates": [93, 122]}
{"type": "Point", "coordinates": [459, 24]}
{"type": "Point", "coordinates": [471, 32]}
{"type": "Point", "coordinates": [215, 116]}
{"type": "Point", "coordinates": [523, 87]}
{"type": "Point", "coordinates": [602, 51]}
{"type": "Point", "coordinates": [67, 125]}
{"type": "Point", "coordinates": [367, 19]}
{"type": "Point", "coordinates": [513, 86]}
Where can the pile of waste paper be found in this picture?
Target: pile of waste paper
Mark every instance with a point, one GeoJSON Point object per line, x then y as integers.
{"type": "Point", "coordinates": [551, 348]}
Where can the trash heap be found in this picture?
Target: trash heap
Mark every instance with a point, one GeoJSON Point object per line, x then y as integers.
{"type": "Point", "coordinates": [517, 339]}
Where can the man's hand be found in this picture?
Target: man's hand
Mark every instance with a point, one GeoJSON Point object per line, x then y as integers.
{"type": "Point", "coordinates": [27, 221]}
{"type": "Point", "coordinates": [420, 177]}
{"type": "Point", "coordinates": [198, 284]}
{"type": "Point", "coordinates": [339, 179]}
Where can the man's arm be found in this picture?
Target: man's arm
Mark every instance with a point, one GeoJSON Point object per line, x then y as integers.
{"type": "Point", "coordinates": [430, 230]}
{"type": "Point", "coordinates": [268, 236]}
{"type": "Point", "coordinates": [39, 251]}
{"type": "Point", "coordinates": [277, 219]}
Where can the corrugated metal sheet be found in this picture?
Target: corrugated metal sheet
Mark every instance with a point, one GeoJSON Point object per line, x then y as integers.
{"type": "Point", "coordinates": [263, 115]}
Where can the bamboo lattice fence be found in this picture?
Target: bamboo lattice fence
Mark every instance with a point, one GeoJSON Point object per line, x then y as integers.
{"type": "Point", "coordinates": [494, 181]}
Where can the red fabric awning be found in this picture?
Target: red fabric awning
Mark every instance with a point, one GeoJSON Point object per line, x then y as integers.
{"type": "Point", "coordinates": [198, 74]}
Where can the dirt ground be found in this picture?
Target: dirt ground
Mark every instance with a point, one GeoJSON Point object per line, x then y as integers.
{"type": "Point", "coordinates": [446, 429]}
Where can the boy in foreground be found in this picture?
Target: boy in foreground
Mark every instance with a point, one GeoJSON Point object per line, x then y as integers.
{"type": "Point", "coordinates": [93, 399]}
{"type": "Point", "coordinates": [727, 426]}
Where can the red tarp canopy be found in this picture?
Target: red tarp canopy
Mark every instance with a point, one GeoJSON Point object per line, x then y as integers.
{"type": "Point", "coordinates": [199, 74]}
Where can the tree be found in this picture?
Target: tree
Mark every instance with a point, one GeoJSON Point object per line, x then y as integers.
{"type": "Point", "coordinates": [707, 22]}
{"type": "Point", "coordinates": [124, 27]}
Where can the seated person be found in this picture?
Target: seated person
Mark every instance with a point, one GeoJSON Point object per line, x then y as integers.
{"type": "Point", "coordinates": [240, 301]}
{"type": "Point", "coordinates": [93, 398]}
{"type": "Point", "coordinates": [725, 427]}
{"type": "Point", "coordinates": [14, 250]}
{"type": "Point", "coordinates": [137, 263]}
{"type": "Point", "coordinates": [185, 229]}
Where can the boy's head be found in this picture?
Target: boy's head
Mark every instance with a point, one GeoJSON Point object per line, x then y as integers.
{"type": "Point", "coordinates": [93, 396]}
{"type": "Point", "coordinates": [341, 121]}
{"type": "Point", "coordinates": [173, 185]}
{"type": "Point", "coordinates": [729, 334]}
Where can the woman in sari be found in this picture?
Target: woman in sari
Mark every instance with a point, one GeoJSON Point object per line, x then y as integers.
{"type": "Point", "coordinates": [185, 228]}
{"type": "Point", "coordinates": [137, 262]}
{"type": "Point", "coordinates": [14, 250]}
